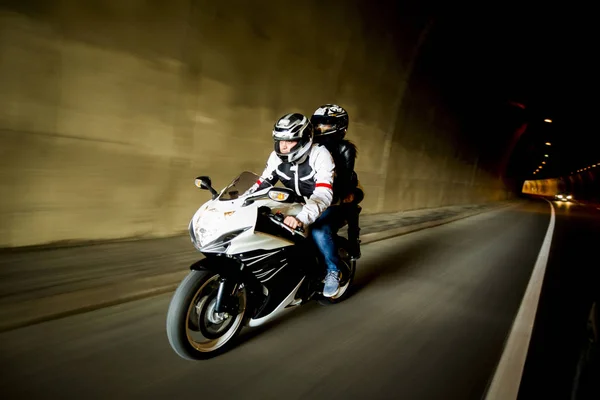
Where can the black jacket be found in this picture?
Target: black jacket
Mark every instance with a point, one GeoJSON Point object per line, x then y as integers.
{"type": "Point", "coordinates": [346, 181]}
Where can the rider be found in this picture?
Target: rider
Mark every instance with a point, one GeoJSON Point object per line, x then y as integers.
{"type": "Point", "coordinates": [330, 123]}
{"type": "Point", "coordinates": [308, 169]}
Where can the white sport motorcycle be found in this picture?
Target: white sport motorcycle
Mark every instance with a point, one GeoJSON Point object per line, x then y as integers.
{"type": "Point", "coordinates": [255, 267]}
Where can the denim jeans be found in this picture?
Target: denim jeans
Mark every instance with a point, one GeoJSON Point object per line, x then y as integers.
{"type": "Point", "coordinates": [323, 231]}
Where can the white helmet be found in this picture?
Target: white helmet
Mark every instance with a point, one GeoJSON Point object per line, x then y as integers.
{"type": "Point", "coordinates": [293, 127]}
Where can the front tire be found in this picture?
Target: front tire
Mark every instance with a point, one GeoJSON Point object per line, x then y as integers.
{"type": "Point", "coordinates": [194, 330]}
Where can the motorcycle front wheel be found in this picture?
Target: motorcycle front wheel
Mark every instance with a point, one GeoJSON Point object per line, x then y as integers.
{"type": "Point", "coordinates": [195, 331]}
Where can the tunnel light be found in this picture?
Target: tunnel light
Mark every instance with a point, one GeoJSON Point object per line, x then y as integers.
{"type": "Point", "coordinates": [548, 120]}
{"type": "Point", "coordinates": [548, 144]}
{"type": "Point", "coordinates": [545, 155]}
{"type": "Point", "coordinates": [543, 162]}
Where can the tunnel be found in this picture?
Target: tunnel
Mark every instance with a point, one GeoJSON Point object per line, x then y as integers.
{"type": "Point", "coordinates": [111, 109]}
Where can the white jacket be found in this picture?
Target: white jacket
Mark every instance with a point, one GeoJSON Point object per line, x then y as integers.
{"type": "Point", "coordinates": [310, 177]}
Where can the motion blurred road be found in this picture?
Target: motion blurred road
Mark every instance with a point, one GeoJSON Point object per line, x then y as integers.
{"type": "Point", "coordinates": [429, 318]}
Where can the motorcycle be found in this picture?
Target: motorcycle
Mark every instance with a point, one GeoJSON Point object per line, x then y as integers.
{"type": "Point", "coordinates": [254, 268]}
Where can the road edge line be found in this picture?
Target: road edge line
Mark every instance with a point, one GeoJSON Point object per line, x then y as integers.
{"type": "Point", "coordinates": [506, 381]}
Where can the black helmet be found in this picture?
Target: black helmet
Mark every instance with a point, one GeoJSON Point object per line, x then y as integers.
{"type": "Point", "coordinates": [293, 127]}
{"type": "Point", "coordinates": [330, 121]}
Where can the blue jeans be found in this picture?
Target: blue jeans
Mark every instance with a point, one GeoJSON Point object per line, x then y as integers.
{"type": "Point", "coordinates": [323, 231]}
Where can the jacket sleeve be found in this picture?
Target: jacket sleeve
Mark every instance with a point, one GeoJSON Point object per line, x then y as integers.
{"type": "Point", "coordinates": [346, 179]}
{"type": "Point", "coordinates": [322, 196]}
{"type": "Point", "coordinates": [269, 177]}
{"type": "Point", "coordinates": [349, 154]}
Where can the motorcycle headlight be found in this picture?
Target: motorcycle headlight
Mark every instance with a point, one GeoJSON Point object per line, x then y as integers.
{"type": "Point", "coordinates": [201, 236]}
{"type": "Point", "coordinates": [221, 243]}
{"type": "Point", "coordinates": [193, 235]}
{"type": "Point", "coordinates": [206, 236]}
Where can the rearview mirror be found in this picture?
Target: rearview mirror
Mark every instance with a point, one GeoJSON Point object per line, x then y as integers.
{"type": "Point", "coordinates": [203, 182]}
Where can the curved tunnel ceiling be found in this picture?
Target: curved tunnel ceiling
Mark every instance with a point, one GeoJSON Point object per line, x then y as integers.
{"type": "Point", "coordinates": [546, 65]}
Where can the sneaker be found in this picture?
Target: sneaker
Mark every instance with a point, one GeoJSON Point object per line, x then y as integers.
{"type": "Point", "coordinates": [332, 284]}
{"type": "Point", "coordinates": [354, 249]}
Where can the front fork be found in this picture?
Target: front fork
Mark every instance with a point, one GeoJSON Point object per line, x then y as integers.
{"type": "Point", "coordinates": [227, 301]}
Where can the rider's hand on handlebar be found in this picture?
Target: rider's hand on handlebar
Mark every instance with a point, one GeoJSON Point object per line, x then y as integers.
{"type": "Point", "coordinates": [292, 222]}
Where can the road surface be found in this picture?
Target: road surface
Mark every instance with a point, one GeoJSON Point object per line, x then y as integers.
{"type": "Point", "coordinates": [428, 320]}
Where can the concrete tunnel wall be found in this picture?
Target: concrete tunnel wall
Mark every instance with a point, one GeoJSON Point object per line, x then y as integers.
{"type": "Point", "coordinates": [109, 109]}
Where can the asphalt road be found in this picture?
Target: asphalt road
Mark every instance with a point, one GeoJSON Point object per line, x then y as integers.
{"type": "Point", "coordinates": [428, 320]}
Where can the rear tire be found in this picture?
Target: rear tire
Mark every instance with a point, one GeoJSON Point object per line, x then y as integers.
{"type": "Point", "coordinates": [191, 312]}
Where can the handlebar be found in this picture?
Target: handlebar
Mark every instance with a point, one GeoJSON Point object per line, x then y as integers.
{"type": "Point", "coordinates": [278, 219]}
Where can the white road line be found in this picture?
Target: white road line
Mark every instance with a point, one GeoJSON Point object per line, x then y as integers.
{"type": "Point", "coordinates": [507, 377]}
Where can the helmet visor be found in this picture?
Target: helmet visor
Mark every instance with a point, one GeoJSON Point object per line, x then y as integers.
{"type": "Point", "coordinates": [321, 129]}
